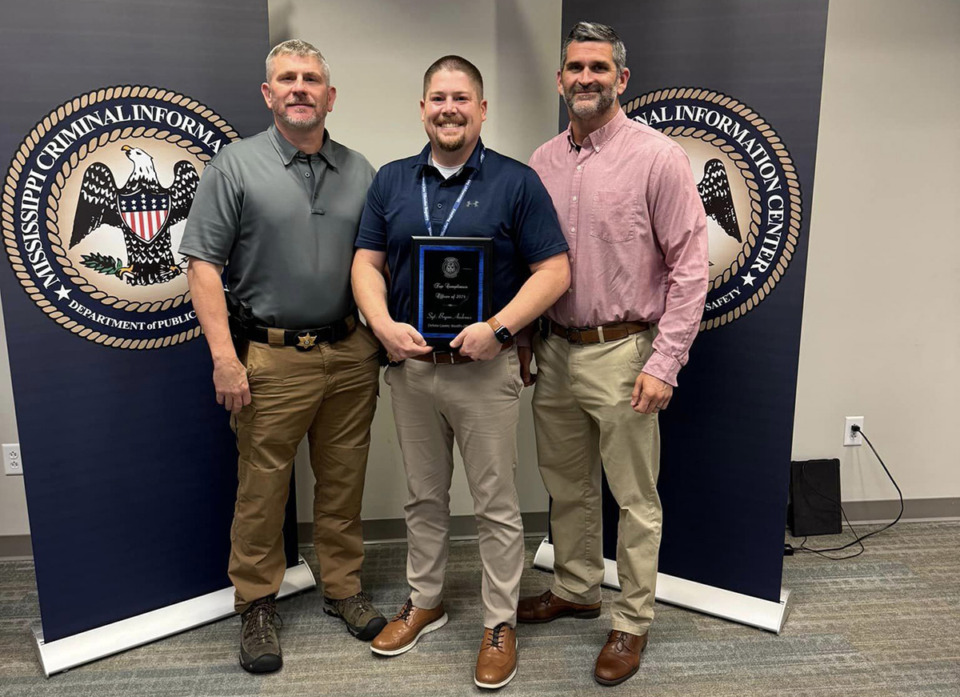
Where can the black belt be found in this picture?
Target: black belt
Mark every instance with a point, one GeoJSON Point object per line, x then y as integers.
{"type": "Point", "coordinates": [454, 357]}
{"type": "Point", "coordinates": [302, 339]}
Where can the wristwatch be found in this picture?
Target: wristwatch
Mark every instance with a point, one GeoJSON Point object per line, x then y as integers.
{"type": "Point", "coordinates": [502, 333]}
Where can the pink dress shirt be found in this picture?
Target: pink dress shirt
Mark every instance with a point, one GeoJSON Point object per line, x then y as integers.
{"type": "Point", "coordinates": [632, 216]}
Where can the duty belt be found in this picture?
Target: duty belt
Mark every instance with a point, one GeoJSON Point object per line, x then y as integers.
{"type": "Point", "coordinates": [452, 357]}
{"type": "Point", "coordinates": [302, 339]}
{"type": "Point", "coordinates": [599, 335]}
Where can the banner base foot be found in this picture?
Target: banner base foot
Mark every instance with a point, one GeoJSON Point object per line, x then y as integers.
{"type": "Point", "coordinates": [72, 651]}
{"type": "Point", "coordinates": [736, 607]}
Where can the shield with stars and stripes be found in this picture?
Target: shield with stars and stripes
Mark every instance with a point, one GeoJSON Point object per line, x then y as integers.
{"type": "Point", "coordinates": [144, 213]}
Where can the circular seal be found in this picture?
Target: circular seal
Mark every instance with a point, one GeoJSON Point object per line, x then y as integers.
{"type": "Point", "coordinates": [749, 188]}
{"type": "Point", "coordinates": [450, 267]}
{"type": "Point", "coordinates": [94, 206]}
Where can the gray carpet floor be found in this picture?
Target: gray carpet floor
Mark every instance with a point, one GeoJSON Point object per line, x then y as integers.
{"type": "Point", "coordinates": [886, 624]}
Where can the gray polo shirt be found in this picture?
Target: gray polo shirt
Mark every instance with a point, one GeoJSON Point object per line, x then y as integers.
{"type": "Point", "coordinates": [283, 224]}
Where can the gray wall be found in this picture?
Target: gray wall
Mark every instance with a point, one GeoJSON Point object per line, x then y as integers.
{"type": "Point", "coordinates": [880, 331]}
{"type": "Point", "coordinates": [880, 337]}
{"type": "Point", "coordinates": [515, 45]}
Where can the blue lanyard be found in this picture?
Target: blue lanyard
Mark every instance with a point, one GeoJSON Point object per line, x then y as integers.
{"type": "Point", "coordinates": [456, 204]}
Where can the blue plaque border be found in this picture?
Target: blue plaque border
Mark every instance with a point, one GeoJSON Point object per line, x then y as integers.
{"type": "Point", "coordinates": [482, 246]}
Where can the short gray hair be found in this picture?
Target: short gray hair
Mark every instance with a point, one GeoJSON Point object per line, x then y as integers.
{"type": "Point", "coordinates": [296, 47]}
{"type": "Point", "coordinates": [594, 31]}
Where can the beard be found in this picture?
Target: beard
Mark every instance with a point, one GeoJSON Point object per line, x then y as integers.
{"type": "Point", "coordinates": [456, 143]}
{"type": "Point", "coordinates": [595, 107]}
{"type": "Point", "coordinates": [452, 145]}
{"type": "Point", "coordinates": [303, 123]}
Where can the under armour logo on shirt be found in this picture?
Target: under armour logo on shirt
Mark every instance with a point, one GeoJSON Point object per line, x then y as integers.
{"type": "Point", "coordinates": [472, 204]}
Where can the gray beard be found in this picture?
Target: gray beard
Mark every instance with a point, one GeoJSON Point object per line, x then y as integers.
{"type": "Point", "coordinates": [590, 110]}
{"type": "Point", "coordinates": [301, 124]}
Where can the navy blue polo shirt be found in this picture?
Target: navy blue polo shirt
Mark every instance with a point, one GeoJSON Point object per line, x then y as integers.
{"type": "Point", "coordinates": [506, 202]}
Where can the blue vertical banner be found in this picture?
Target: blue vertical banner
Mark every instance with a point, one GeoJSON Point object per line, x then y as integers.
{"type": "Point", "coordinates": [130, 465]}
{"type": "Point", "coordinates": [737, 85]}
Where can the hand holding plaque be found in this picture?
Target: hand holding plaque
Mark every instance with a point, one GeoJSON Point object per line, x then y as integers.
{"type": "Point", "coordinates": [477, 341]}
{"type": "Point", "coordinates": [450, 285]}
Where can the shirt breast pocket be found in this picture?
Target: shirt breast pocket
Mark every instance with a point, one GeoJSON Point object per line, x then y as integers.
{"type": "Point", "coordinates": [615, 216]}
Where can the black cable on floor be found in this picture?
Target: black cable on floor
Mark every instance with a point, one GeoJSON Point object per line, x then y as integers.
{"type": "Point", "coordinates": [859, 538]}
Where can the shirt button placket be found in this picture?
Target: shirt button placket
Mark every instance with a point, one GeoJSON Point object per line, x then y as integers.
{"type": "Point", "coordinates": [574, 215]}
{"type": "Point", "coordinates": [575, 200]}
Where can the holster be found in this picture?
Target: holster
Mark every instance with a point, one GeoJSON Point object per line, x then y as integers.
{"type": "Point", "coordinates": [239, 317]}
{"type": "Point", "coordinates": [543, 327]}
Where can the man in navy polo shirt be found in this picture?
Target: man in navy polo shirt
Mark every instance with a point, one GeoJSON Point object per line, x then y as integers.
{"type": "Point", "coordinates": [470, 390]}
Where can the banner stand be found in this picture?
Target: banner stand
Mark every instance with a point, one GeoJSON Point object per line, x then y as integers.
{"type": "Point", "coordinates": [736, 607]}
{"type": "Point", "coordinates": [94, 644]}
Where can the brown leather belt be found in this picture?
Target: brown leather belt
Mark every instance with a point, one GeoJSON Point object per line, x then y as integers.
{"type": "Point", "coordinates": [599, 335]}
{"type": "Point", "coordinates": [452, 357]}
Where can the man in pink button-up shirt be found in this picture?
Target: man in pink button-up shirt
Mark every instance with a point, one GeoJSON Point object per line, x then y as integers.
{"type": "Point", "coordinates": [633, 219]}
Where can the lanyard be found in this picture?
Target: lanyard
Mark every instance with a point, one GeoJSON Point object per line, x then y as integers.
{"type": "Point", "coordinates": [456, 204]}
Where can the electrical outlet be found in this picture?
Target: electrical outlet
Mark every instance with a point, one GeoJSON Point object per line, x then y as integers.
{"type": "Point", "coordinates": [850, 437]}
{"type": "Point", "coordinates": [12, 462]}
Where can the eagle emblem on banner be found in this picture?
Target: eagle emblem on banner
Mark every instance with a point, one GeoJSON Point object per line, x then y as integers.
{"type": "Point", "coordinates": [142, 209]}
{"type": "Point", "coordinates": [714, 190]}
{"type": "Point", "coordinates": [95, 203]}
{"type": "Point", "coordinates": [749, 188]}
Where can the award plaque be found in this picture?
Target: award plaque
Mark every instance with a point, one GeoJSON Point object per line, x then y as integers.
{"type": "Point", "coordinates": [450, 285]}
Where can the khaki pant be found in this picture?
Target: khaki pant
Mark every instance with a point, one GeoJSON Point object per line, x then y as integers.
{"type": "Point", "coordinates": [328, 394]}
{"type": "Point", "coordinates": [582, 416]}
{"type": "Point", "coordinates": [479, 405]}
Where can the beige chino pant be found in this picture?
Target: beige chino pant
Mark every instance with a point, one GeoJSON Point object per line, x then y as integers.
{"type": "Point", "coordinates": [478, 404]}
{"type": "Point", "coordinates": [582, 417]}
{"type": "Point", "coordinates": [328, 394]}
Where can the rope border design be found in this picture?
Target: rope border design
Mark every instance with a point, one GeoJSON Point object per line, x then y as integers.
{"type": "Point", "coordinates": [15, 172]}
{"type": "Point", "coordinates": [789, 170]}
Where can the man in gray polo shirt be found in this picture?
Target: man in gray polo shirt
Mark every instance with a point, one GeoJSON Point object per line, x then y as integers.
{"type": "Point", "coordinates": [280, 211]}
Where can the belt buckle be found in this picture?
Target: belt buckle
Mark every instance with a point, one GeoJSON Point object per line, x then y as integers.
{"type": "Point", "coordinates": [448, 354]}
{"type": "Point", "coordinates": [306, 340]}
{"type": "Point", "coordinates": [574, 335]}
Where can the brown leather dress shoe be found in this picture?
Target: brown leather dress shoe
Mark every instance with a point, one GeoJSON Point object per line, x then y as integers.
{"type": "Point", "coordinates": [535, 609]}
{"type": "Point", "coordinates": [403, 631]}
{"type": "Point", "coordinates": [619, 658]}
{"type": "Point", "coordinates": [497, 661]}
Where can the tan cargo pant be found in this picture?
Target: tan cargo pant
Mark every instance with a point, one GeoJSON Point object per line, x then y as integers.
{"type": "Point", "coordinates": [582, 417]}
{"type": "Point", "coordinates": [328, 394]}
{"type": "Point", "coordinates": [479, 405]}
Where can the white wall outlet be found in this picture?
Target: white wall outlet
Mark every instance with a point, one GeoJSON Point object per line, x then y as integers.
{"type": "Point", "coordinates": [12, 462]}
{"type": "Point", "coordinates": [849, 436]}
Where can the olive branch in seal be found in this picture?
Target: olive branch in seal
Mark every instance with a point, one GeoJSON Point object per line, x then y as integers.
{"type": "Point", "coordinates": [15, 172]}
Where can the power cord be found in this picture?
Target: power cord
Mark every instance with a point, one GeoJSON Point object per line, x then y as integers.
{"type": "Point", "coordinates": [790, 549]}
